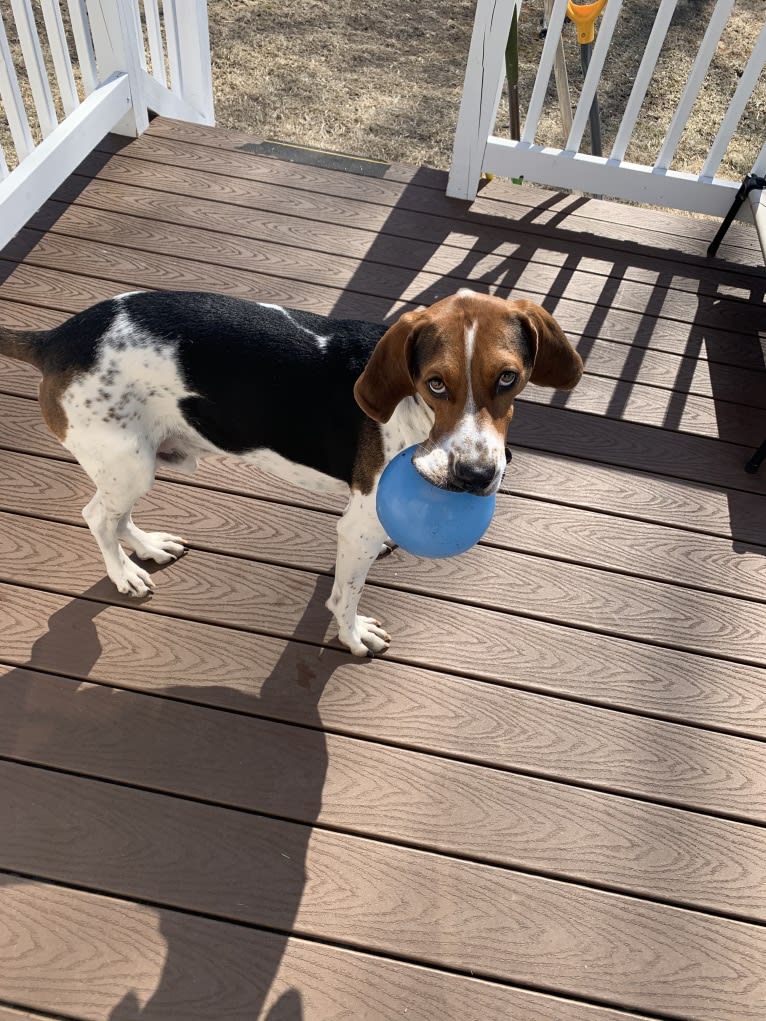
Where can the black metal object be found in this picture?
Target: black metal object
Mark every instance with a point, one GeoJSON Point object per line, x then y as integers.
{"type": "Point", "coordinates": [753, 182]}
{"type": "Point", "coordinates": [594, 115]}
{"type": "Point", "coordinates": [756, 460]}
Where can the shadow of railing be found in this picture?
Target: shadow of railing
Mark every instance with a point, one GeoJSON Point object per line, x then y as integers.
{"type": "Point", "coordinates": [623, 264]}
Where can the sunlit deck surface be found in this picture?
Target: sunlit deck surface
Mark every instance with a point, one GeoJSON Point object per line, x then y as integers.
{"type": "Point", "coordinates": [547, 801]}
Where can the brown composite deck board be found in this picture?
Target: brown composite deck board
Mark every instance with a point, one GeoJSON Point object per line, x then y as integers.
{"type": "Point", "coordinates": [489, 724]}
{"type": "Point", "coordinates": [237, 592]}
{"type": "Point", "coordinates": [733, 419]}
{"type": "Point", "coordinates": [394, 247]}
{"type": "Point", "coordinates": [225, 248]}
{"type": "Point", "coordinates": [648, 611]}
{"type": "Point", "coordinates": [686, 456]}
{"type": "Point", "coordinates": [269, 873]}
{"type": "Point", "coordinates": [740, 236]}
{"type": "Point", "coordinates": [606, 358]}
{"type": "Point", "coordinates": [241, 526]}
{"type": "Point", "coordinates": [651, 405]}
{"type": "Point", "coordinates": [409, 798]}
{"type": "Point", "coordinates": [537, 474]}
{"type": "Point", "coordinates": [547, 800]}
{"type": "Point", "coordinates": [639, 329]}
{"type": "Point", "coordinates": [443, 214]}
{"type": "Point", "coordinates": [508, 203]}
{"type": "Point", "coordinates": [222, 970]}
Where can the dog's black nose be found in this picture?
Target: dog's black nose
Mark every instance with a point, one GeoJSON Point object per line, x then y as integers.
{"type": "Point", "coordinates": [473, 477]}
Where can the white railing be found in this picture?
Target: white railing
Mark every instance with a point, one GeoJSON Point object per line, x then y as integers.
{"type": "Point", "coordinates": [109, 63]}
{"type": "Point", "coordinates": [477, 149]}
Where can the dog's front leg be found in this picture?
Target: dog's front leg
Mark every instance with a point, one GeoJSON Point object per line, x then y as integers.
{"type": "Point", "coordinates": [360, 539]}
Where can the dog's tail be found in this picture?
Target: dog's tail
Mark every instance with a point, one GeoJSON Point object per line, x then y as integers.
{"type": "Point", "coordinates": [24, 345]}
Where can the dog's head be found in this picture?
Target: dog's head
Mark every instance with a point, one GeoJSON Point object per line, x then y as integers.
{"type": "Point", "coordinates": [468, 357]}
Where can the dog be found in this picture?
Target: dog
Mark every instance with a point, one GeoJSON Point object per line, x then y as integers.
{"type": "Point", "coordinates": [154, 378]}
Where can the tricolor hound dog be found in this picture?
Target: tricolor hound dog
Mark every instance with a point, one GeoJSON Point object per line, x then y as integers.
{"type": "Point", "coordinates": [155, 378]}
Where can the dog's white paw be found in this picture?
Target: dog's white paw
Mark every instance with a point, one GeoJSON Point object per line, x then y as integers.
{"type": "Point", "coordinates": [368, 637]}
{"type": "Point", "coordinates": [161, 547]}
{"type": "Point", "coordinates": [132, 580]}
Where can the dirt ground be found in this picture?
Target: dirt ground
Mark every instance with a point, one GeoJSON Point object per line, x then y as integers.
{"type": "Point", "coordinates": [383, 78]}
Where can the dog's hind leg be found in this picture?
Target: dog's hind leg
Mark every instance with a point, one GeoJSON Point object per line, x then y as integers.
{"type": "Point", "coordinates": [121, 478]}
{"type": "Point", "coordinates": [360, 538]}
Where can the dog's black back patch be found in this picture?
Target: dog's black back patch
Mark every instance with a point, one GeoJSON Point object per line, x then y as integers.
{"type": "Point", "coordinates": [264, 376]}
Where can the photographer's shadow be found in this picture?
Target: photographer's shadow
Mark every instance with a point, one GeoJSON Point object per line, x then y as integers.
{"type": "Point", "coordinates": [212, 968]}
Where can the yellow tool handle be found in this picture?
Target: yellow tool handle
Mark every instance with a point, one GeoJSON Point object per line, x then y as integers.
{"type": "Point", "coordinates": [584, 17]}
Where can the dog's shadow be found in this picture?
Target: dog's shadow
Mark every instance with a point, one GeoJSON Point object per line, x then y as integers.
{"type": "Point", "coordinates": [211, 968]}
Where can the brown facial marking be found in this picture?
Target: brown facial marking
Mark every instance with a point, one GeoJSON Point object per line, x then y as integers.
{"type": "Point", "coordinates": [471, 418]}
{"type": "Point", "coordinates": [498, 346]}
{"type": "Point", "coordinates": [556, 363]}
{"type": "Point", "coordinates": [52, 389]}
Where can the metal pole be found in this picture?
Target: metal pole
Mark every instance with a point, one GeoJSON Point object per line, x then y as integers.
{"type": "Point", "coordinates": [584, 18]}
{"type": "Point", "coordinates": [594, 117]}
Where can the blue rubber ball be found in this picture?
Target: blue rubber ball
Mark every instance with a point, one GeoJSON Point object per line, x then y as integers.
{"type": "Point", "coordinates": [426, 520]}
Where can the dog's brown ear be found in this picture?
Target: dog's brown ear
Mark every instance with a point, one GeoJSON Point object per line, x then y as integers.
{"type": "Point", "coordinates": [387, 379]}
{"type": "Point", "coordinates": [556, 361]}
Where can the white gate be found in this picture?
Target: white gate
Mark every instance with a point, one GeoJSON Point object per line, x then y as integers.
{"type": "Point", "coordinates": [478, 150]}
{"type": "Point", "coordinates": [109, 46]}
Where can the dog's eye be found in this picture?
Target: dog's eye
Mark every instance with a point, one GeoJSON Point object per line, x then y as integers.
{"type": "Point", "coordinates": [437, 386]}
{"type": "Point", "coordinates": [507, 379]}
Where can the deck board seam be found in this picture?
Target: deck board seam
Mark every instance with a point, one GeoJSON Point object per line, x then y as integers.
{"type": "Point", "coordinates": [469, 214]}
{"type": "Point", "coordinates": [62, 457]}
{"type": "Point", "coordinates": [372, 837]}
{"type": "Point", "coordinates": [450, 599]}
{"type": "Point", "coordinates": [308, 937]}
{"type": "Point", "coordinates": [84, 200]}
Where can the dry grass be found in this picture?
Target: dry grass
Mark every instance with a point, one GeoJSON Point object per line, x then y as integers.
{"type": "Point", "coordinates": [383, 78]}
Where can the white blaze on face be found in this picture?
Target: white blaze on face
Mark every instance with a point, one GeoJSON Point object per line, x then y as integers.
{"type": "Point", "coordinates": [472, 441]}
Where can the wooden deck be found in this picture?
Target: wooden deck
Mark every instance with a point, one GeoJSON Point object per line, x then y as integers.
{"type": "Point", "coordinates": [547, 801]}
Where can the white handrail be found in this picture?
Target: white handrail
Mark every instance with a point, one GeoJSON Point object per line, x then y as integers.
{"type": "Point", "coordinates": [119, 91]}
{"type": "Point", "coordinates": [478, 149]}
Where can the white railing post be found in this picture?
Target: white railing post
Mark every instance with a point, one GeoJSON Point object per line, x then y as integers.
{"type": "Point", "coordinates": [186, 31]}
{"type": "Point", "coordinates": [481, 94]}
{"type": "Point", "coordinates": [35, 65]}
{"type": "Point", "coordinates": [119, 49]}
